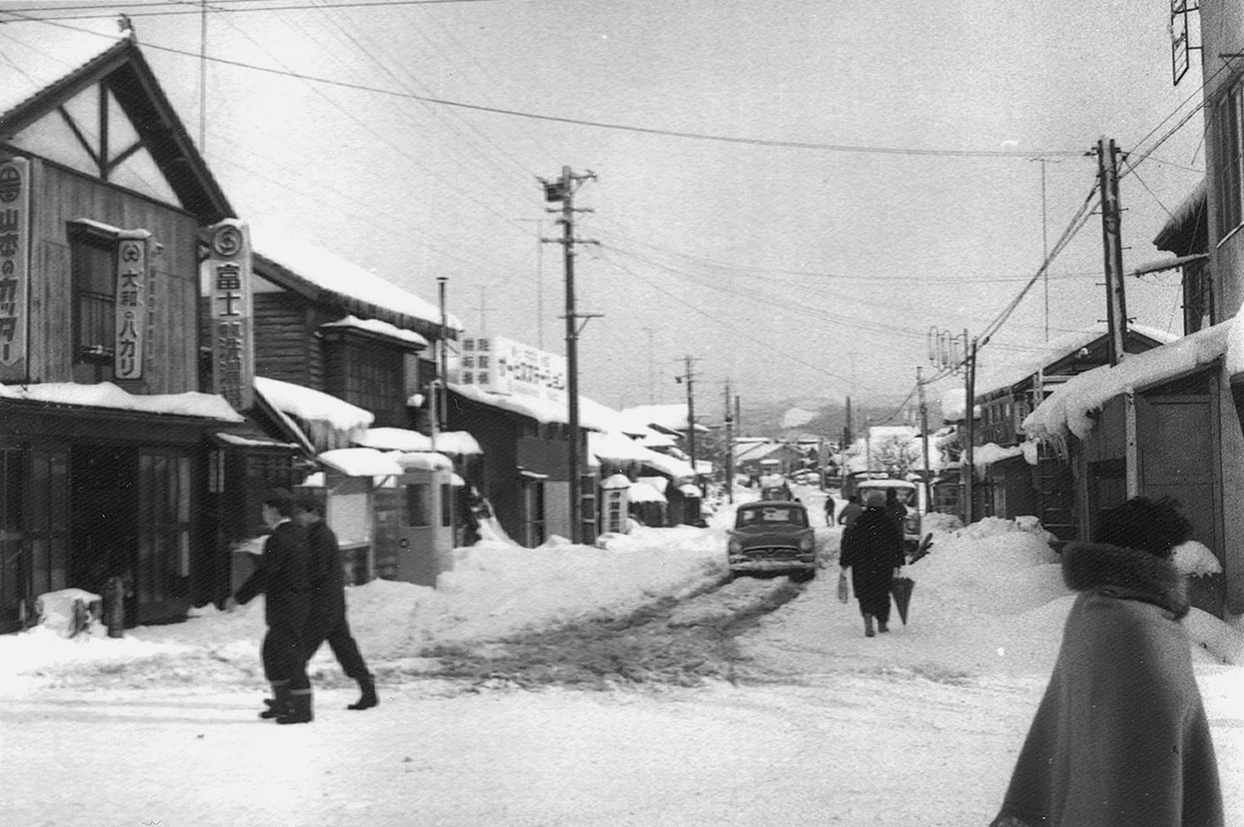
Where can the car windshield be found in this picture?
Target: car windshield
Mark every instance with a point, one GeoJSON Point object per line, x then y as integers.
{"type": "Point", "coordinates": [904, 495]}
{"type": "Point", "coordinates": [771, 515]}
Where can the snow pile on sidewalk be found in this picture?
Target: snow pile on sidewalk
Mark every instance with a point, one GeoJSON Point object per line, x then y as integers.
{"type": "Point", "coordinates": [496, 588]}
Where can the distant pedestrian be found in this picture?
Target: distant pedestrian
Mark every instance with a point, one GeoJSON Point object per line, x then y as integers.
{"type": "Point", "coordinates": [1121, 737]}
{"type": "Point", "coordinates": [328, 601]}
{"type": "Point", "coordinates": [281, 576]}
{"type": "Point", "coordinates": [872, 548]}
{"type": "Point", "coordinates": [830, 505]}
{"type": "Point", "coordinates": [850, 511]}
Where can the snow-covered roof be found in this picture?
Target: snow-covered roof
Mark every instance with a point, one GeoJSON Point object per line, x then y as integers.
{"type": "Point", "coordinates": [379, 328]}
{"type": "Point", "coordinates": [253, 442]}
{"type": "Point", "coordinates": [311, 405]}
{"type": "Point", "coordinates": [1067, 410]}
{"type": "Point", "coordinates": [592, 415]}
{"type": "Point", "coordinates": [1004, 369]}
{"type": "Point", "coordinates": [404, 439]}
{"type": "Point", "coordinates": [108, 395]}
{"type": "Point", "coordinates": [334, 274]}
{"type": "Point", "coordinates": [900, 432]}
{"type": "Point", "coordinates": [672, 417]}
{"type": "Point", "coordinates": [642, 492]}
{"type": "Point", "coordinates": [48, 53]}
{"type": "Point", "coordinates": [361, 462]}
{"type": "Point", "coordinates": [428, 461]}
{"type": "Point", "coordinates": [985, 455]}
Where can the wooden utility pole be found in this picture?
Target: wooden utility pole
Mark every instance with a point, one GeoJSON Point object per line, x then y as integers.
{"type": "Point", "coordinates": [563, 190]}
{"type": "Point", "coordinates": [729, 448]}
{"type": "Point", "coordinates": [689, 379]}
{"type": "Point", "coordinates": [1112, 246]}
{"type": "Point", "coordinates": [924, 429]}
{"type": "Point", "coordinates": [968, 464]}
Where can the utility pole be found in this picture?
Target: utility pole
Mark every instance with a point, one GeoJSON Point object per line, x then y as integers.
{"type": "Point", "coordinates": [689, 380]}
{"type": "Point", "coordinates": [1112, 246]}
{"type": "Point", "coordinates": [924, 429]}
{"type": "Point", "coordinates": [968, 465]}
{"type": "Point", "coordinates": [439, 407]}
{"type": "Point", "coordinates": [729, 448]}
{"type": "Point", "coordinates": [563, 190]}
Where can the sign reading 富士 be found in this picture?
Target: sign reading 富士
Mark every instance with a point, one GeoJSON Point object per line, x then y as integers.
{"type": "Point", "coordinates": [229, 289]}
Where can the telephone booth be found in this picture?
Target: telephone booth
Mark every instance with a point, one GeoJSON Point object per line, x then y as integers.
{"type": "Point", "coordinates": [614, 508]}
{"type": "Point", "coordinates": [425, 530]}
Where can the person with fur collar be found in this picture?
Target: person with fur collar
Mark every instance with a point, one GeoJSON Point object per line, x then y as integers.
{"type": "Point", "coordinates": [1121, 737]}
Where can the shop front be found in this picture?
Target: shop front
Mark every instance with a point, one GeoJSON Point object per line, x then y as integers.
{"type": "Point", "coordinates": [109, 501]}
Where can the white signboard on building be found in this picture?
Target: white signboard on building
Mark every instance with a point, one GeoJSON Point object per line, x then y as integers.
{"type": "Point", "coordinates": [500, 365]}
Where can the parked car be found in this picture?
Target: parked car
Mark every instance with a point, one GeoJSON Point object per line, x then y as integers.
{"type": "Point", "coordinates": [908, 493]}
{"type": "Point", "coordinates": [772, 536]}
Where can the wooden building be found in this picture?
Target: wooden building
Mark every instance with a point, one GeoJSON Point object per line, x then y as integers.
{"type": "Point", "coordinates": [1008, 485]}
{"type": "Point", "coordinates": [104, 437]}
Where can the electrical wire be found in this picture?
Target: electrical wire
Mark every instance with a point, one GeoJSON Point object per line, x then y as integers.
{"type": "Point", "coordinates": [671, 133]}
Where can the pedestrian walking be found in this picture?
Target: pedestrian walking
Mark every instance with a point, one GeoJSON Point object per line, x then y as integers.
{"type": "Point", "coordinates": [328, 601]}
{"type": "Point", "coordinates": [1120, 738]}
{"type": "Point", "coordinates": [830, 506]}
{"type": "Point", "coordinates": [850, 511]}
{"type": "Point", "coordinates": [281, 576]}
{"type": "Point", "coordinates": [872, 548]}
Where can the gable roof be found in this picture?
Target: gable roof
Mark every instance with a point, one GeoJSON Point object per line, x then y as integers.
{"type": "Point", "coordinates": [49, 65]}
{"type": "Point", "coordinates": [324, 276]}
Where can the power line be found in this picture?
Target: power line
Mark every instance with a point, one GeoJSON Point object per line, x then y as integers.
{"type": "Point", "coordinates": [218, 3]}
{"type": "Point", "coordinates": [670, 133]}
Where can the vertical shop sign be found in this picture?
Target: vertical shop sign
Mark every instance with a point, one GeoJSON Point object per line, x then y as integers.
{"type": "Point", "coordinates": [229, 288]}
{"type": "Point", "coordinates": [14, 267]}
{"type": "Point", "coordinates": [133, 296]}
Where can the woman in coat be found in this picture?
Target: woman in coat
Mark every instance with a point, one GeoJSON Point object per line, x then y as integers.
{"type": "Point", "coordinates": [1121, 738]}
{"type": "Point", "coordinates": [872, 547]}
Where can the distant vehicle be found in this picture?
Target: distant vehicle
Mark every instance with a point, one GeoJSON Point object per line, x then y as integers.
{"type": "Point", "coordinates": [908, 493]}
{"type": "Point", "coordinates": [772, 536]}
{"type": "Point", "coordinates": [775, 488]}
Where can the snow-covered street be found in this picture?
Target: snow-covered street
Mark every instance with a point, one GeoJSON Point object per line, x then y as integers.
{"type": "Point", "coordinates": [821, 725]}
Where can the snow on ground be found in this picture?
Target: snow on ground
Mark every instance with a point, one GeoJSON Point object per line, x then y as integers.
{"type": "Point", "coordinates": [917, 727]}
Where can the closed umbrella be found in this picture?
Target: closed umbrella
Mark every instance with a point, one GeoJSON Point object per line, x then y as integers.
{"type": "Point", "coordinates": [901, 588]}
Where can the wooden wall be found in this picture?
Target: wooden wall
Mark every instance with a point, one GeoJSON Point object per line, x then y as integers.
{"type": "Point", "coordinates": [286, 347]}
{"type": "Point", "coordinates": [61, 195]}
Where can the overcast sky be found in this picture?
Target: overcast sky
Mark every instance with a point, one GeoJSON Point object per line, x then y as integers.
{"type": "Point", "coordinates": [913, 199]}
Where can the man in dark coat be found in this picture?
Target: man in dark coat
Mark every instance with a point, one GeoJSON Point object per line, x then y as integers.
{"type": "Point", "coordinates": [281, 576]}
{"type": "Point", "coordinates": [328, 601]}
{"type": "Point", "coordinates": [1121, 737]}
{"type": "Point", "coordinates": [872, 548]}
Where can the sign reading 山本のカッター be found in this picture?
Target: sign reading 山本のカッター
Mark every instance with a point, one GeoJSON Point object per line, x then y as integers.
{"type": "Point", "coordinates": [14, 267]}
{"type": "Point", "coordinates": [229, 289]}
{"type": "Point", "coordinates": [501, 365]}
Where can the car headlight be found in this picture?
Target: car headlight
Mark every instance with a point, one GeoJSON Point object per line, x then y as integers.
{"type": "Point", "coordinates": [735, 547]}
{"type": "Point", "coordinates": [805, 543]}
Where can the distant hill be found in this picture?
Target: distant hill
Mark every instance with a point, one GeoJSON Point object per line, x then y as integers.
{"type": "Point", "coordinates": [810, 416]}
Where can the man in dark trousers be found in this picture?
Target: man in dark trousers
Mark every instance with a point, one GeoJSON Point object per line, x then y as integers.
{"type": "Point", "coordinates": [281, 576]}
{"type": "Point", "coordinates": [328, 601]}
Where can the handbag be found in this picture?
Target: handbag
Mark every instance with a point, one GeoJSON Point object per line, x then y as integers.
{"type": "Point", "coordinates": [844, 594]}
